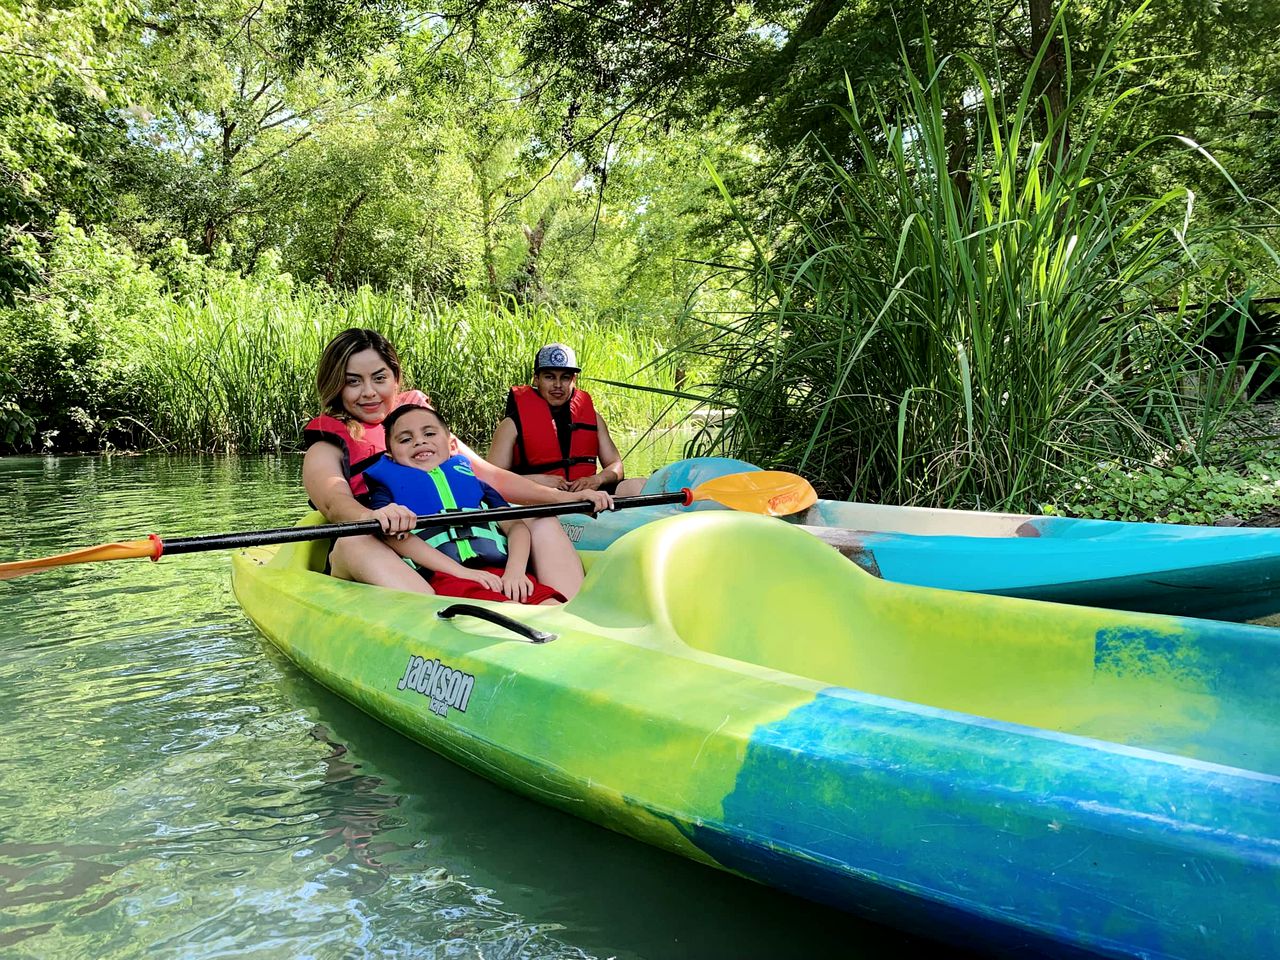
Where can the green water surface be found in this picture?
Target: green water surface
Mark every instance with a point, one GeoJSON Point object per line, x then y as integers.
{"type": "Point", "coordinates": [171, 786]}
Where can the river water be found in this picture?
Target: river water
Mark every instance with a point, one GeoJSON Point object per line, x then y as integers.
{"type": "Point", "coordinates": [171, 786]}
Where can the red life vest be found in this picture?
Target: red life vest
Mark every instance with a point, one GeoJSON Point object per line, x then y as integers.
{"type": "Point", "coordinates": [537, 448]}
{"type": "Point", "coordinates": [356, 454]}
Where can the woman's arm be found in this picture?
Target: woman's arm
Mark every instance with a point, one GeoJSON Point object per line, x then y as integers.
{"type": "Point", "coordinates": [502, 454]}
{"type": "Point", "coordinates": [518, 489]}
{"type": "Point", "coordinates": [329, 491]}
{"type": "Point", "coordinates": [502, 448]}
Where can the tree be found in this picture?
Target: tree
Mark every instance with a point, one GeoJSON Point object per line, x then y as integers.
{"type": "Point", "coordinates": [65, 70]}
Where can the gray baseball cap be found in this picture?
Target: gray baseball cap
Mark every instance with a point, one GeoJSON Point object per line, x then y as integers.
{"type": "Point", "coordinates": [556, 356]}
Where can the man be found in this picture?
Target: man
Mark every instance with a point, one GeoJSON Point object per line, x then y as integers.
{"type": "Point", "coordinates": [552, 433]}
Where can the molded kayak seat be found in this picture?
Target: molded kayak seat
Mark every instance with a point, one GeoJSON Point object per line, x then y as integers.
{"type": "Point", "coordinates": [1219, 572]}
{"type": "Point", "coordinates": [771, 595]}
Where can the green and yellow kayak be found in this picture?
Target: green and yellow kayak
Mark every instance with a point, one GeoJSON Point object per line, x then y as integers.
{"type": "Point", "coordinates": [995, 771]}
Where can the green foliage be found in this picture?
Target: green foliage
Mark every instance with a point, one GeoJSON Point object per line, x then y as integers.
{"type": "Point", "coordinates": [1178, 494]}
{"type": "Point", "coordinates": [192, 356]}
{"type": "Point", "coordinates": [17, 429]}
{"type": "Point", "coordinates": [65, 342]}
{"type": "Point", "coordinates": [236, 369]}
{"type": "Point", "coordinates": [65, 70]}
{"type": "Point", "coordinates": [943, 310]}
{"type": "Point", "coordinates": [966, 336]}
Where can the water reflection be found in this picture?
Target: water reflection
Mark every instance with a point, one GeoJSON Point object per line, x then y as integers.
{"type": "Point", "coordinates": [171, 786]}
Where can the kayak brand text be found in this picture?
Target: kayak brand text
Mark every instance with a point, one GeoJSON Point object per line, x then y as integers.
{"type": "Point", "coordinates": [444, 686]}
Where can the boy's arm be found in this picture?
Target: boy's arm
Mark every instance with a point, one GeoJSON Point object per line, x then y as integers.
{"type": "Point", "coordinates": [518, 542]}
{"type": "Point", "coordinates": [425, 555]}
{"type": "Point", "coordinates": [516, 584]}
{"type": "Point", "coordinates": [429, 558]}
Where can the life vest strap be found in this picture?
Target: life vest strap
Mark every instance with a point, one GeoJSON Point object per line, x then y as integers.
{"type": "Point", "coordinates": [461, 537]}
{"type": "Point", "coordinates": [525, 469]}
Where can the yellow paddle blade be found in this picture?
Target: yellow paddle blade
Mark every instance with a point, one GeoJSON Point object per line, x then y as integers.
{"type": "Point", "coordinates": [770, 492]}
{"type": "Point", "coordinates": [128, 550]}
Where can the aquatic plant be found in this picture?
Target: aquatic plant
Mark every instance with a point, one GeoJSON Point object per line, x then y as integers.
{"type": "Point", "coordinates": [971, 333]}
{"type": "Point", "coordinates": [234, 369]}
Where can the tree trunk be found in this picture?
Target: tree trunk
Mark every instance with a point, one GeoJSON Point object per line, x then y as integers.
{"type": "Point", "coordinates": [956, 132]}
{"type": "Point", "coordinates": [1051, 74]}
{"type": "Point", "coordinates": [486, 225]}
{"type": "Point", "coordinates": [340, 235]}
{"type": "Point", "coordinates": [530, 280]}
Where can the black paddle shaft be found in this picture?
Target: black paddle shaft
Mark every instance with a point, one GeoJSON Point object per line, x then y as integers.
{"type": "Point", "coordinates": [260, 538]}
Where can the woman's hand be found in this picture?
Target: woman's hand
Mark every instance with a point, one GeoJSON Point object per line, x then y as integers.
{"type": "Point", "coordinates": [516, 586]}
{"type": "Point", "coordinates": [395, 519]}
{"type": "Point", "coordinates": [490, 581]}
{"type": "Point", "coordinates": [598, 498]}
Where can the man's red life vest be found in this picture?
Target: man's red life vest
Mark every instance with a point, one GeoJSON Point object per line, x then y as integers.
{"type": "Point", "coordinates": [359, 454]}
{"type": "Point", "coordinates": [538, 448]}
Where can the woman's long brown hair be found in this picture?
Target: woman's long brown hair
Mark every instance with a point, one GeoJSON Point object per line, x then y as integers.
{"type": "Point", "coordinates": [331, 371]}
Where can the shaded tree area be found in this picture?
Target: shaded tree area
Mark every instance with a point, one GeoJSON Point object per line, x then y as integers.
{"type": "Point", "coordinates": [638, 162]}
{"type": "Point", "coordinates": [1207, 70]}
{"type": "Point", "coordinates": [364, 146]}
{"type": "Point", "coordinates": [485, 145]}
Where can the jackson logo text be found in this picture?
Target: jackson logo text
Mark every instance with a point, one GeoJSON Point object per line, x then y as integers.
{"type": "Point", "coordinates": [444, 686]}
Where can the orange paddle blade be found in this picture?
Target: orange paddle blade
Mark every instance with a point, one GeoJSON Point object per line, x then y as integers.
{"type": "Point", "coordinates": [770, 492]}
{"type": "Point", "coordinates": [128, 550]}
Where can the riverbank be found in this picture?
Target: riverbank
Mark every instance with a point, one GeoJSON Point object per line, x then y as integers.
{"type": "Point", "coordinates": [113, 353]}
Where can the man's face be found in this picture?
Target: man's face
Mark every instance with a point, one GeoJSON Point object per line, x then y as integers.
{"type": "Point", "coordinates": [555, 386]}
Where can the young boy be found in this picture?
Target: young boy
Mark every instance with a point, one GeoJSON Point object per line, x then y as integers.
{"type": "Point", "coordinates": [422, 471]}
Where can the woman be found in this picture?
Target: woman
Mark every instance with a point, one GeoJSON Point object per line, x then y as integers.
{"type": "Point", "coordinates": [358, 380]}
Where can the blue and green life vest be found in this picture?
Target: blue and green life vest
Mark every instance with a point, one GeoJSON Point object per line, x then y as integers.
{"type": "Point", "coordinates": [450, 486]}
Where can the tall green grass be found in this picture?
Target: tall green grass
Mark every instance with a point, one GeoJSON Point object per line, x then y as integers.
{"type": "Point", "coordinates": [973, 337]}
{"type": "Point", "coordinates": [235, 367]}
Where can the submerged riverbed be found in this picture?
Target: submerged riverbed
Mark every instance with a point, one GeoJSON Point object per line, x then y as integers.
{"type": "Point", "coordinates": [173, 787]}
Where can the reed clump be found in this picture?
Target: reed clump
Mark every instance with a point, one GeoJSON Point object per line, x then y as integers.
{"type": "Point", "coordinates": [973, 335]}
{"type": "Point", "coordinates": [235, 368]}
{"type": "Point", "coordinates": [182, 352]}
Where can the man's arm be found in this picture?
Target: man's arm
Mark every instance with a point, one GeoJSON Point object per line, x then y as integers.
{"type": "Point", "coordinates": [611, 470]}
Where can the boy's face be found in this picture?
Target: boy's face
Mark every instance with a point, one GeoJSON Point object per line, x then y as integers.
{"type": "Point", "coordinates": [555, 386]}
{"type": "Point", "coordinates": [420, 440]}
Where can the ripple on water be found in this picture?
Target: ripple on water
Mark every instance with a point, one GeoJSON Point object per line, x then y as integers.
{"type": "Point", "coordinates": [159, 795]}
{"type": "Point", "coordinates": [167, 787]}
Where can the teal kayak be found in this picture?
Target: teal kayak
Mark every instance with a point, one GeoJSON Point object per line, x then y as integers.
{"type": "Point", "coordinates": [1223, 573]}
{"type": "Point", "coordinates": [1015, 776]}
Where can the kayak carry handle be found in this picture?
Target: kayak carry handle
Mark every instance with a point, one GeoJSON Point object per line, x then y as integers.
{"type": "Point", "coordinates": [481, 613]}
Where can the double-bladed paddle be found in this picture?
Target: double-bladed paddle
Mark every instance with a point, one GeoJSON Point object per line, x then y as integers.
{"type": "Point", "coordinates": [770, 492]}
